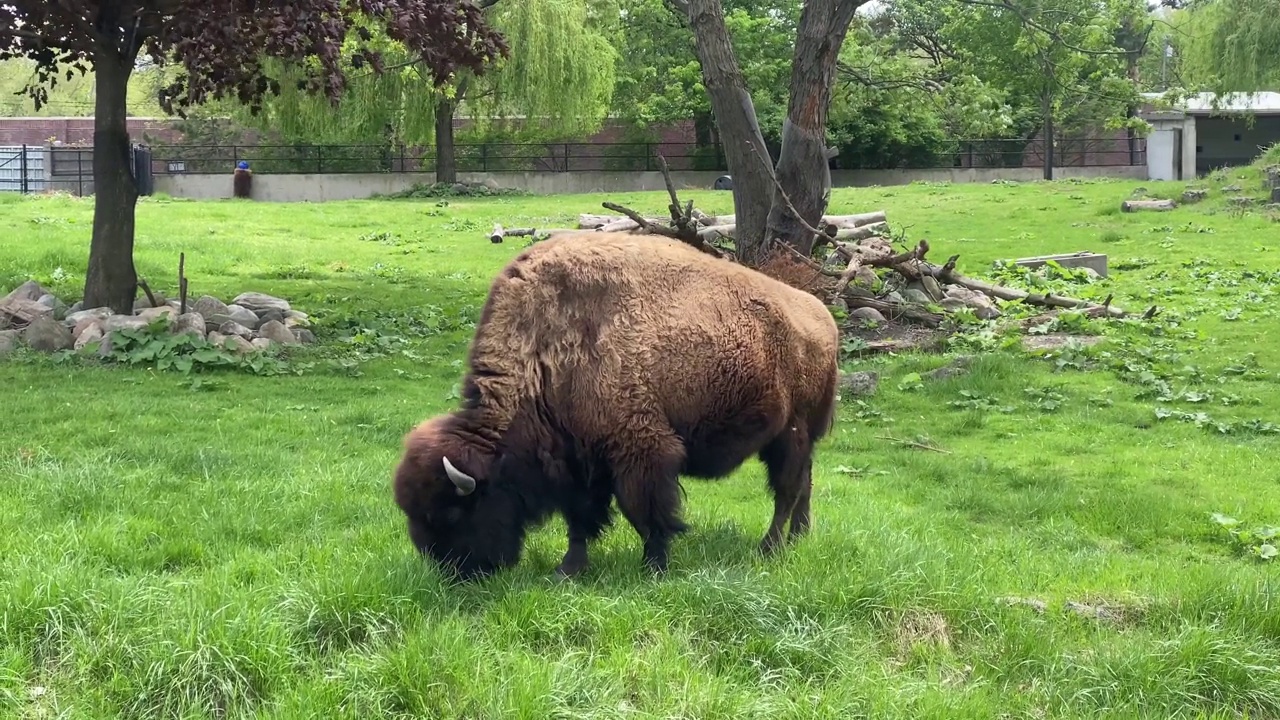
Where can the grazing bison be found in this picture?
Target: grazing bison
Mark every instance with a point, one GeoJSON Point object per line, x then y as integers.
{"type": "Point", "coordinates": [605, 365]}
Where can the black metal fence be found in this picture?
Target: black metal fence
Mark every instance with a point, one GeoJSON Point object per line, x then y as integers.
{"type": "Point", "coordinates": [618, 157]}
{"type": "Point", "coordinates": [71, 168]}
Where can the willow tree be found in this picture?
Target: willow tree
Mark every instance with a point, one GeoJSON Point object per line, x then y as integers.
{"type": "Point", "coordinates": [220, 47]}
{"type": "Point", "coordinates": [559, 75]}
{"type": "Point", "coordinates": [1231, 45]}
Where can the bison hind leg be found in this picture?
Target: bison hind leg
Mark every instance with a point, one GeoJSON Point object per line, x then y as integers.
{"type": "Point", "coordinates": [789, 459]}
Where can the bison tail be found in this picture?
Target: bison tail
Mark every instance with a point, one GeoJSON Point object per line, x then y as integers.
{"type": "Point", "coordinates": [826, 415]}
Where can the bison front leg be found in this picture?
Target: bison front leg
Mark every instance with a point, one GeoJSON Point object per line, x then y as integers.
{"type": "Point", "coordinates": [646, 485]}
{"type": "Point", "coordinates": [587, 516]}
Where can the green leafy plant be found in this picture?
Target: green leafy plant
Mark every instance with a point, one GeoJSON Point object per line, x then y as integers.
{"type": "Point", "coordinates": [155, 347]}
{"type": "Point", "coordinates": [1260, 542]}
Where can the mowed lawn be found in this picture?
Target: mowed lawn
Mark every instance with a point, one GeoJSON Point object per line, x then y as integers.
{"type": "Point", "coordinates": [230, 548]}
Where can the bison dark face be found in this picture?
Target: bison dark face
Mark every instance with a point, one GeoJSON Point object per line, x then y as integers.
{"type": "Point", "coordinates": [465, 523]}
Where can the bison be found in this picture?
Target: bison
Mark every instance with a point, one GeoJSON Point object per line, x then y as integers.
{"type": "Point", "coordinates": [604, 366]}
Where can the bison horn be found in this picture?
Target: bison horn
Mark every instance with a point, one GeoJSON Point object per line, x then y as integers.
{"type": "Point", "coordinates": [464, 482]}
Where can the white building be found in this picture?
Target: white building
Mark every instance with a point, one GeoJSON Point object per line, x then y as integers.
{"type": "Point", "coordinates": [1194, 137]}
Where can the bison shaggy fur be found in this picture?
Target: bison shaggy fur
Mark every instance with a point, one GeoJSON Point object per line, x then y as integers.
{"type": "Point", "coordinates": [606, 365]}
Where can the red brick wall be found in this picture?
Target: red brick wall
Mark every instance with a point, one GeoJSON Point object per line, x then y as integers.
{"type": "Point", "coordinates": [73, 130]}
{"type": "Point", "coordinates": [79, 130]}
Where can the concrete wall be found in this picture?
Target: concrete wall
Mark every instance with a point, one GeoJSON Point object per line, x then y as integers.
{"type": "Point", "coordinates": [320, 188]}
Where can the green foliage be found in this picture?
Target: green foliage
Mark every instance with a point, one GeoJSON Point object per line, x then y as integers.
{"type": "Point", "coordinates": [1229, 45]}
{"type": "Point", "coordinates": [154, 347]}
{"type": "Point", "coordinates": [237, 552]}
{"type": "Point", "coordinates": [1259, 542]}
{"type": "Point", "coordinates": [426, 191]}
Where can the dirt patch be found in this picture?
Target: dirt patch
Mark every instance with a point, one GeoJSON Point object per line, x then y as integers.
{"type": "Point", "coordinates": [891, 337]}
{"type": "Point", "coordinates": [921, 627]}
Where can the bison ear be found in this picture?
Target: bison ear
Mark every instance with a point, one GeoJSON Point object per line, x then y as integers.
{"type": "Point", "coordinates": [464, 483]}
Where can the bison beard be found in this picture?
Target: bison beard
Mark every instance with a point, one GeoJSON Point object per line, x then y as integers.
{"type": "Point", "coordinates": [606, 365]}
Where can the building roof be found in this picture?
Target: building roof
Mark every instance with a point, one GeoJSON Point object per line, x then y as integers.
{"type": "Point", "coordinates": [1257, 103]}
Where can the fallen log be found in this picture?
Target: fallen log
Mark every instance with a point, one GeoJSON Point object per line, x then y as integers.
{"type": "Point", "coordinates": [863, 232]}
{"type": "Point", "coordinates": [587, 221]}
{"type": "Point", "coordinates": [499, 233]}
{"type": "Point", "coordinates": [1153, 205]}
{"type": "Point", "coordinates": [946, 273]}
{"type": "Point", "coordinates": [840, 221]}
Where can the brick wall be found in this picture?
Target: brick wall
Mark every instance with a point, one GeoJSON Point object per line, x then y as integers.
{"type": "Point", "coordinates": [79, 131]}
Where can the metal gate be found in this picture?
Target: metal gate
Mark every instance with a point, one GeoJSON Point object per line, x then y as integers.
{"type": "Point", "coordinates": [21, 168]}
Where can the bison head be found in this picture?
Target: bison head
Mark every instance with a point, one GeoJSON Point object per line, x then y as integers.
{"type": "Point", "coordinates": [456, 514]}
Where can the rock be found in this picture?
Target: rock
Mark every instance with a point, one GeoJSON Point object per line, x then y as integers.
{"type": "Point", "coordinates": [866, 277]}
{"type": "Point", "coordinates": [99, 313]}
{"type": "Point", "coordinates": [955, 368]}
{"type": "Point", "coordinates": [932, 288]}
{"type": "Point", "coordinates": [123, 322]}
{"type": "Point", "coordinates": [76, 307]}
{"type": "Point", "coordinates": [84, 325]}
{"type": "Point", "coordinates": [91, 333]}
{"type": "Point", "coordinates": [838, 306]}
{"type": "Point", "coordinates": [272, 315]}
{"type": "Point", "coordinates": [866, 313]}
{"type": "Point", "coordinates": [244, 316]}
{"type": "Point", "coordinates": [952, 303]}
{"type": "Point", "coordinates": [47, 335]}
{"type": "Point", "coordinates": [58, 307]}
{"type": "Point", "coordinates": [164, 311]}
{"type": "Point", "coordinates": [1230, 188]}
{"type": "Point", "coordinates": [215, 338]}
{"type": "Point", "coordinates": [1090, 273]}
{"type": "Point", "coordinates": [1194, 195]}
{"type": "Point", "coordinates": [189, 324]}
{"type": "Point", "coordinates": [859, 383]}
{"type": "Point", "coordinates": [276, 331]}
{"type": "Point", "coordinates": [239, 344]}
{"type": "Point", "coordinates": [208, 306]}
{"type": "Point", "coordinates": [260, 303]}
{"type": "Point", "coordinates": [20, 312]}
{"type": "Point", "coordinates": [305, 336]}
{"type": "Point", "coordinates": [235, 314]}
{"type": "Point", "coordinates": [29, 290]}
{"type": "Point", "coordinates": [144, 302]}
{"type": "Point", "coordinates": [983, 306]}
{"type": "Point", "coordinates": [294, 318]}
{"type": "Point", "coordinates": [235, 329]}
{"type": "Point", "coordinates": [262, 343]}
{"type": "Point", "coordinates": [895, 297]}
{"type": "Point", "coordinates": [8, 341]}
{"type": "Point", "coordinates": [912, 295]}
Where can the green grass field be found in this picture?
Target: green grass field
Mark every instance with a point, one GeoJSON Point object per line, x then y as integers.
{"type": "Point", "coordinates": [227, 546]}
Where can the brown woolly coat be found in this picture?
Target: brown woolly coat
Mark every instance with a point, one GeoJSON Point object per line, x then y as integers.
{"type": "Point", "coordinates": [614, 329]}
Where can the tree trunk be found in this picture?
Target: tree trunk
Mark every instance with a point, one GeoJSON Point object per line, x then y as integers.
{"type": "Point", "coordinates": [446, 155]}
{"type": "Point", "coordinates": [735, 115]}
{"type": "Point", "coordinates": [1046, 101]}
{"type": "Point", "coordinates": [111, 279]}
{"type": "Point", "coordinates": [803, 161]}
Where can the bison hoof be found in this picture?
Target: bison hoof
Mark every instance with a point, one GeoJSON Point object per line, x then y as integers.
{"type": "Point", "coordinates": [566, 571]}
{"type": "Point", "coordinates": [769, 546]}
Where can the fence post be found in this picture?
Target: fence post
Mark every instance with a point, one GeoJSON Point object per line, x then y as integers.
{"type": "Point", "coordinates": [319, 159]}
{"type": "Point", "coordinates": [484, 158]}
{"type": "Point", "coordinates": [648, 157]}
{"type": "Point", "coordinates": [22, 169]}
{"type": "Point", "coordinates": [566, 157]}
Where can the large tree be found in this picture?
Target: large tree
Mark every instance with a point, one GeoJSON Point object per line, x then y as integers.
{"type": "Point", "coordinates": [762, 214]}
{"type": "Point", "coordinates": [559, 75]}
{"type": "Point", "coordinates": [221, 46]}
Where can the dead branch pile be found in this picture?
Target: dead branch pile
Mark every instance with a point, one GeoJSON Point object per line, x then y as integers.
{"type": "Point", "coordinates": [854, 266]}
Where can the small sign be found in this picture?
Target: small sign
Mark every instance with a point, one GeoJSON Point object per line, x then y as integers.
{"type": "Point", "coordinates": [177, 166]}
